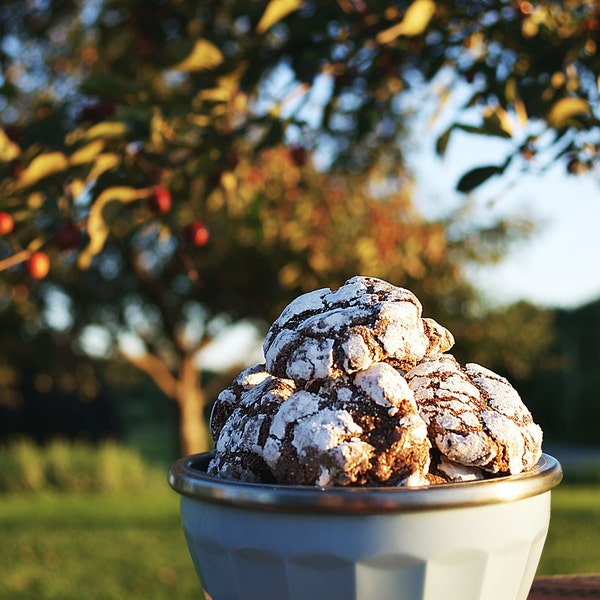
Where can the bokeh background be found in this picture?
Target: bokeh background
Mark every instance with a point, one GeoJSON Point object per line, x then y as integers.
{"type": "Point", "coordinates": [173, 173]}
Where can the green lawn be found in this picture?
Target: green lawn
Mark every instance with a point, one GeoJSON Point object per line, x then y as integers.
{"type": "Point", "coordinates": [97, 547]}
{"type": "Point", "coordinates": [573, 543]}
{"type": "Point", "coordinates": [116, 546]}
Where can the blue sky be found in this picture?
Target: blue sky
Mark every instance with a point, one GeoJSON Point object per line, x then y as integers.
{"type": "Point", "coordinates": [557, 267]}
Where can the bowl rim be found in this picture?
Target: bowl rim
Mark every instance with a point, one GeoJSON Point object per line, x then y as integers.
{"type": "Point", "coordinates": [187, 476]}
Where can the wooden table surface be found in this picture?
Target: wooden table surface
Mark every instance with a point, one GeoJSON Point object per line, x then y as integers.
{"type": "Point", "coordinates": [565, 587]}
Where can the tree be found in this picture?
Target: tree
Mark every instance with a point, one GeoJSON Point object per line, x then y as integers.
{"type": "Point", "coordinates": [165, 164]}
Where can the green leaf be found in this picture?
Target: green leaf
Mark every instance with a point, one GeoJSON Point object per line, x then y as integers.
{"type": "Point", "coordinates": [442, 142]}
{"type": "Point", "coordinates": [276, 11]}
{"type": "Point", "coordinates": [472, 179]}
{"type": "Point", "coordinates": [492, 127]}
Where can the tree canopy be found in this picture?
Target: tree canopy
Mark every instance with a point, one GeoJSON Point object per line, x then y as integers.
{"type": "Point", "coordinates": [166, 166]}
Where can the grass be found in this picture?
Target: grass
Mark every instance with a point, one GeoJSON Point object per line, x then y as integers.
{"type": "Point", "coordinates": [114, 545]}
{"type": "Point", "coordinates": [95, 546]}
{"type": "Point", "coordinates": [573, 542]}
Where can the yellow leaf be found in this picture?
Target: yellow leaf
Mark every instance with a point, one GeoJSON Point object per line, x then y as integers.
{"type": "Point", "coordinates": [199, 120]}
{"type": "Point", "coordinates": [204, 55]}
{"type": "Point", "coordinates": [106, 129]}
{"type": "Point", "coordinates": [77, 187]}
{"type": "Point", "coordinates": [512, 95]}
{"type": "Point", "coordinates": [415, 21]}
{"type": "Point", "coordinates": [87, 153]}
{"type": "Point", "coordinates": [43, 166]}
{"type": "Point", "coordinates": [276, 11]}
{"type": "Point", "coordinates": [103, 163]}
{"type": "Point", "coordinates": [565, 108]}
{"type": "Point", "coordinates": [521, 111]}
{"type": "Point", "coordinates": [227, 87]}
{"type": "Point", "coordinates": [8, 149]}
{"type": "Point", "coordinates": [160, 130]}
{"type": "Point", "coordinates": [214, 94]}
{"type": "Point", "coordinates": [98, 228]}
{"type": "Point", "coordinates": [35, 200]}
{"type": "Point", "coordinates": [229, 181]}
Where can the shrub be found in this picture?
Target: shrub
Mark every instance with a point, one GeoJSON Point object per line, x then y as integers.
{"type": "Point", "coordinates": [21, 468]}
{"type": "Point", "coordinates": [74, 466]}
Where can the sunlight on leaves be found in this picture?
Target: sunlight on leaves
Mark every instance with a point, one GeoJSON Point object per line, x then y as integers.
{"type": "Point", "coordinates": [227, 86]}
{"type": "Point", "coordinates": [8, 149]}
{"type": "Point", "coordinates": [43, 166]}
{"type": "Point", "coordinates": [415, 21]}
{"type": "Point", "coordinates": [87, 153]}
{"type": "Point", "coordinates": [98, 228]}
{"type": "Point", "coordinates": [275, 12]}
{"type": "Point", "coordinates": [496, 122]}
{"type": "Point", "coordinates": [204, 56]}
{"type": "Point", "coordinates": [565, 109]}
{"type": "Point", "coordinates": [104, 162]}
{"type": "Point", "coordinates": [107, 129]}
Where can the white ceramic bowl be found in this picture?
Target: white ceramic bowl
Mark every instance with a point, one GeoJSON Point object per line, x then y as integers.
{"type": "Point", "coordinates": [479, 540]}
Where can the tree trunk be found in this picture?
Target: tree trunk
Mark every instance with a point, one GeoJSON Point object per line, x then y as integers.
{"type": "Point", "coordinates": [193, 429]}
{"type": "Point", "coordinates": [187, 392]}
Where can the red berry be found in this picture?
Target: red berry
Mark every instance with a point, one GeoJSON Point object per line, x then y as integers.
{"type": "Point", "coordinates": [299, 155]}
{"type": "Point", "coordinates": [162, 200]}
{"type": "Point", "coordinates": [593, 24]}
{"type": "Point", "coordinates": [67, 237]}
{"type": "Point", "coordinates": [7, 223]}
{"type": "Point", "coordinates": [38, 265]}
{"type": "Point", "coordinates": [198, 233]}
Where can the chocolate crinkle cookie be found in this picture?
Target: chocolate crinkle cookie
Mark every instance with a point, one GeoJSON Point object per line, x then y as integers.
{"type": "Point", "coordinates": [327, 333]}
{"type": "Point", "coordinates": [475, 417]}
{"type": "Point", "coordinates": [361, 429]}
{"type": "Point", "coordinates": [251, 403]}
{"type": "Point", "coordinates": [229, 398]}
{"type": "Point", "coordinates": [356, 390]}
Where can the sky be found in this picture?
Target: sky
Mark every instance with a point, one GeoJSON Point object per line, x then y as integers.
{"type": "Point", "coordinates": [558, 266]}
{"type": "Point", "coordinates": [554, 268]}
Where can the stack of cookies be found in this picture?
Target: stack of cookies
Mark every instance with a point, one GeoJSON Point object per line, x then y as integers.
{"type": "Point", "coordinates": [358, 389]}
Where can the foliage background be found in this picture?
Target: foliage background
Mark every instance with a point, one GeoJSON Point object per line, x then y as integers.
{"type": "Point", "coordinates": [179, 167]}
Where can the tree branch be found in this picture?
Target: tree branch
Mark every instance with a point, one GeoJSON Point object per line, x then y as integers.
{"type": "Point", "coordinates": [153, 366]}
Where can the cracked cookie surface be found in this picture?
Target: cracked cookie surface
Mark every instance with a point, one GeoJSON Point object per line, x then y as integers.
{"type": "Point", "coordinates": [249, 405]}
{"type": "Point", "coordinates": [475, 417]}
{"type": "Point", "coordinates": [327, 333]}
{"type": "Point", "coordinates": [361, 429]}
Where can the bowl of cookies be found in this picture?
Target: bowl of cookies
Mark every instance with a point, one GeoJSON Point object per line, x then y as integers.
{"type": "Point", "coordinates": [362, 460]}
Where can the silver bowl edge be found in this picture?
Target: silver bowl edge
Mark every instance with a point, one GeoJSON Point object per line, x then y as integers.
{"type": "Point", "coordinates": [188, 477]}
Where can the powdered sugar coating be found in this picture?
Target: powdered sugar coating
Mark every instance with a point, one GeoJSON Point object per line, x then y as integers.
{"type": "Point", "coordinates": [229, 398]}
{"type": "Point", "coordinates": [474, 416]}
{"type": "Point", "coordinates": [240, 441]}
{"type": "Point", "coordinates": [452, 472]}
{"type": "Point", "coordinates": [328, 333]}
{"type": "Point", "coordinates": [356, 390]}
{"type": "Point", "coordinates": [361, 429]}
